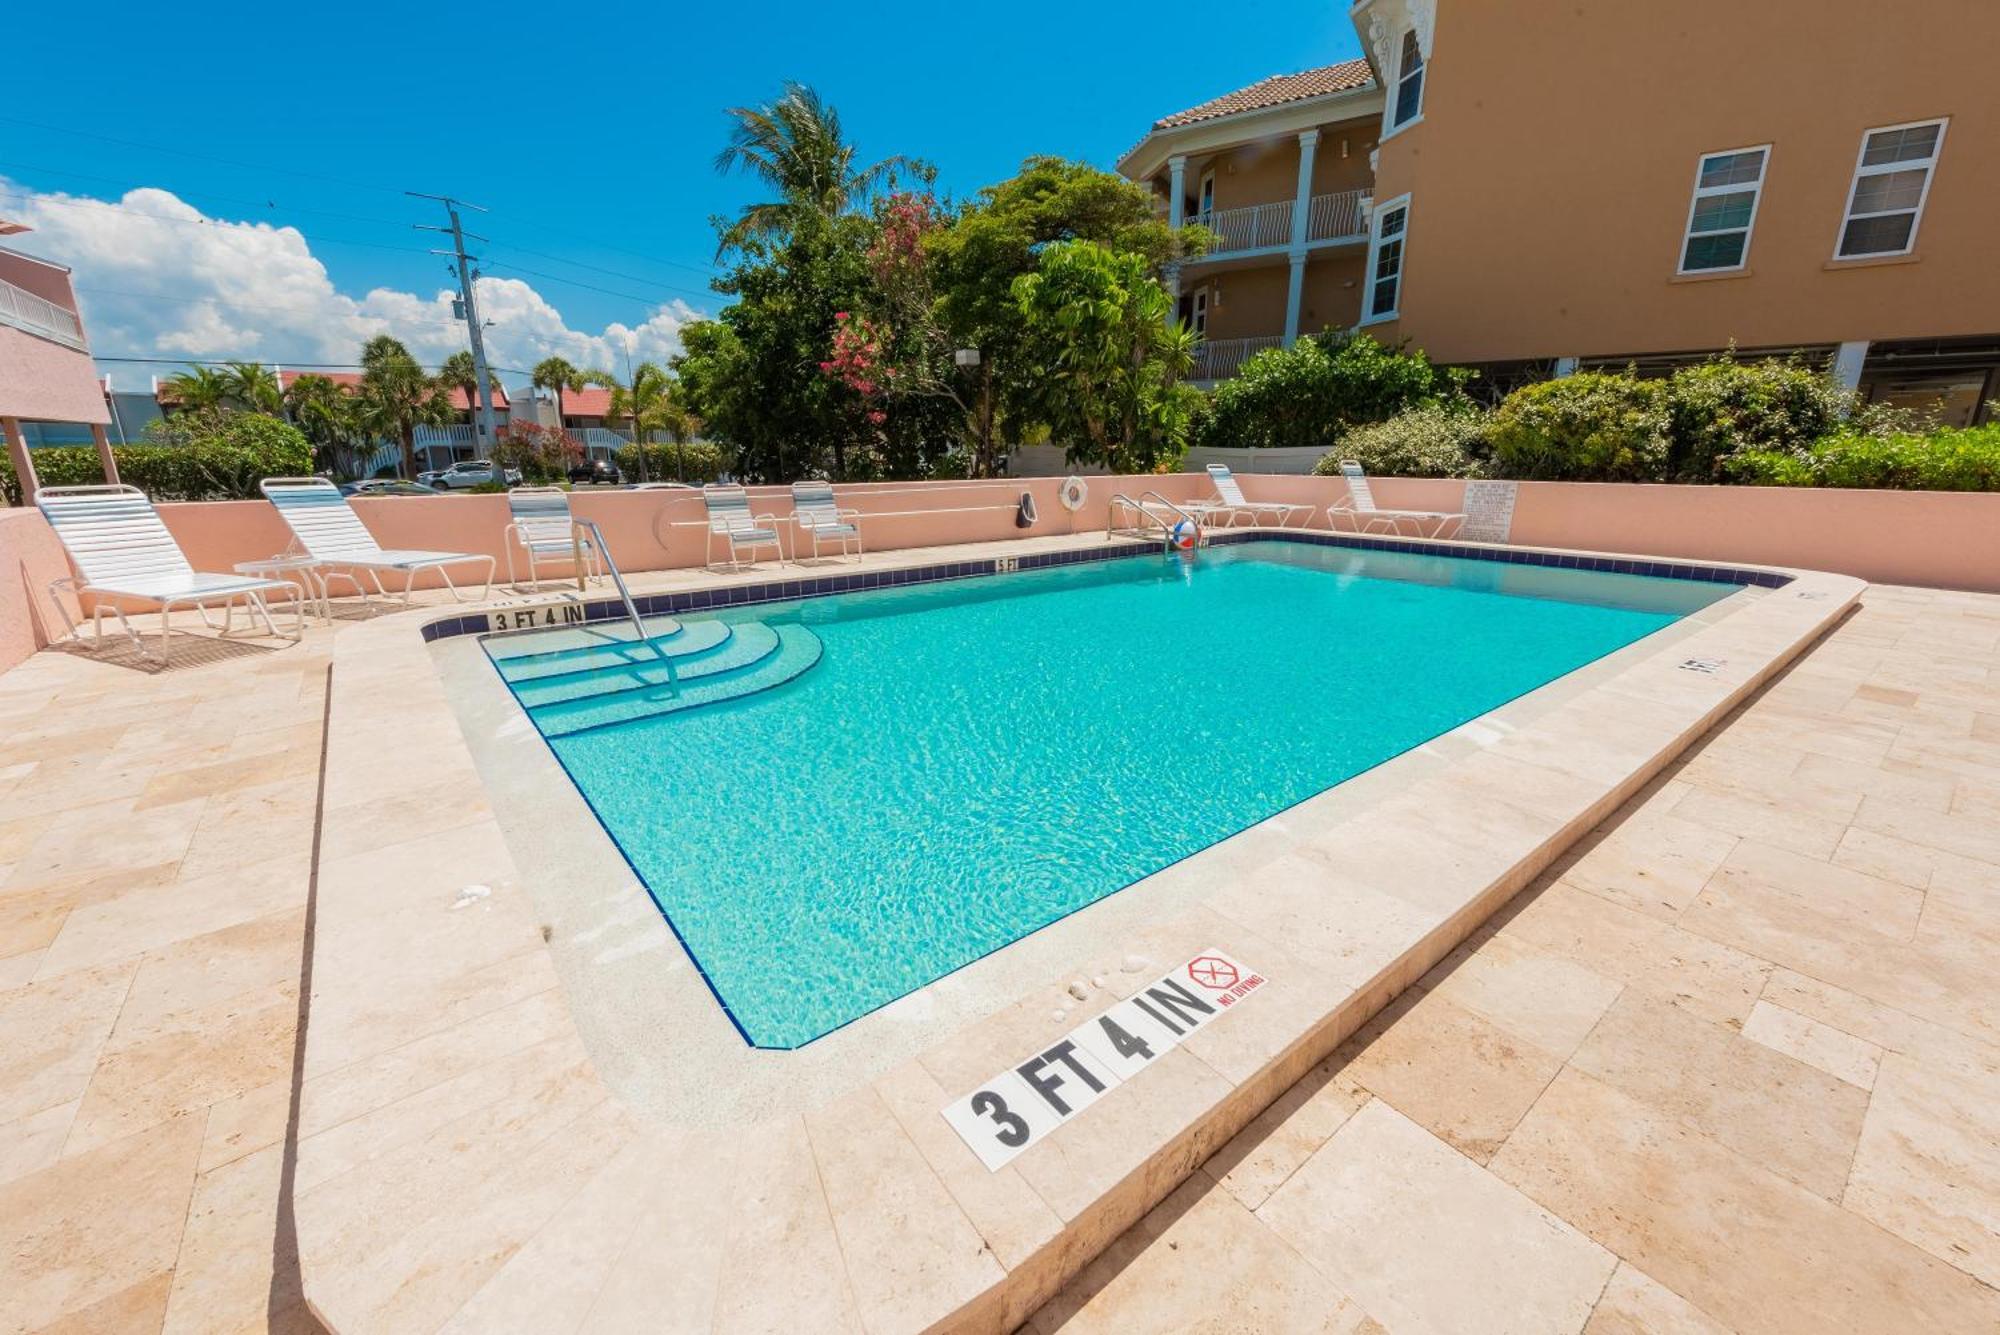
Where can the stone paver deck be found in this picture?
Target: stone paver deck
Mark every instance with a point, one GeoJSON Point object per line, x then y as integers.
{"type": "Point", "coordinates": [1735, 1064]}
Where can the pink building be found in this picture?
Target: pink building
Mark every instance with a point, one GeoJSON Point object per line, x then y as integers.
{"type": "Point", "coordinates": [46, 374]}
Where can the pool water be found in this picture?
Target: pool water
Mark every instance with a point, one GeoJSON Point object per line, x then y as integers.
{"type": "Point", "coordinates": [960, 764]}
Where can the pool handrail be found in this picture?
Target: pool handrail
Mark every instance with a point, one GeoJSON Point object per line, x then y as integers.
{"type": "Point", "coordinates": [1147, 515]}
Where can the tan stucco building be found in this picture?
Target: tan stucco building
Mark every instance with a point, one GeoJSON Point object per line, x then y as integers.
{"type": "Point", "coordinates": [46, 374]}
{"type": "Point", "coordinates": [1548, 185]}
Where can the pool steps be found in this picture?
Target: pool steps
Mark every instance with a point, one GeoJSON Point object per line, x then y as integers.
{"type": "Point", "coordinates": [710, 667]}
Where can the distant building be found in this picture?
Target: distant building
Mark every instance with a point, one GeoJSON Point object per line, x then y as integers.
{"type": "Point", "coordinates": [46, 374]}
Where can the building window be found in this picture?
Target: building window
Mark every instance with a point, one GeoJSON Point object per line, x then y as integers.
{"type": "Point", "coordinates": [1892, 178]}
{"type": "Point", "coordinates": [1726, 190]}
{"type": "Point", "coordinates": [1409, 82]}
{"type": "Point", "coordinates": [1207, 205]}
{"type": "Point", "coordinates": [1198, 317]}
{"type": "Point", "coordinates": [1385, 260]}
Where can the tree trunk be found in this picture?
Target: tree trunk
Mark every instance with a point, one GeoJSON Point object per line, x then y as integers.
{"type": "Point", "coordinates": [409, 452]}
{"type": "Point", "coordinates": [639, 441]}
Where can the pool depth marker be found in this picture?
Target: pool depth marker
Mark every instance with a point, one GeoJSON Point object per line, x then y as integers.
{"type": "Point", "coordinates": [1017, 1107]}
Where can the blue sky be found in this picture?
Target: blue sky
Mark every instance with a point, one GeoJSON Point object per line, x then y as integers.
{"type": "Point", "coordinates": [591, 143]}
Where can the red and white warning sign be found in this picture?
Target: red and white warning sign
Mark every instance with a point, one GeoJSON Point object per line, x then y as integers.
{"type": "Point", "coordinates": [1019, 1106]}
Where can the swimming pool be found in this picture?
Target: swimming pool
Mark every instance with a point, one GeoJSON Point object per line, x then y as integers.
{"type": "Point", "coordinates": [837, 801]}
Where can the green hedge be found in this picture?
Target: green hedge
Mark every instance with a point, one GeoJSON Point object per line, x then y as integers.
{"type": "Point", "coordinates": [1583, 428]}
{"type": "Point", "coordinates": [1949, 460]}
{"type": "Point", "coordinates": [1724, 406]}
{"type": "Point", "coordinates": [225, 464]}
{"type": "Point", "coordinates": [697, 461]}
{"type": "Point", "coordinates": [1315, 391]}
{"type": "Point", "coordinates": [1431, 441]}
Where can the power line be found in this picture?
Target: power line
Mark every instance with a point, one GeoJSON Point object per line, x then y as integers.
{"type": "Point", "coordinates": [288, 363]}
{"type": "Point", "coordinates": [572, 282]}
{"type": "Point", "coordinates": [165, 299]}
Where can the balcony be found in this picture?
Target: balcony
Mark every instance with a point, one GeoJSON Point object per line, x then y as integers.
{"type": "Point", "coordinates": [42, 318]}
{"type": "Point", "coordinates": [1341, 216]}
{"type": "Point", "coordinates": [1224, 357]}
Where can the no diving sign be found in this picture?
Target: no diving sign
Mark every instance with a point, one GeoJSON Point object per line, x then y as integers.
{"type": "Point", "coordinates": [1019, 1106]}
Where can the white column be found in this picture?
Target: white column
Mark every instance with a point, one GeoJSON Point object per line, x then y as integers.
{"type": "Point", "coordinates": [1301, 215]}
{"type": "Point", "coordinates": [1308, 147]}
{"type": "Point", "coordinates": [1847, 364]}
{"type": "Point", "coordinates": [1176, 215]}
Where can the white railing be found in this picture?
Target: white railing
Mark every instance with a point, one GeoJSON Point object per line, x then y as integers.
{"type": "Point", "coordinates": [1342, 216]}
{"type": "Point", "coordinates": [1225, 356]}
{"type": "Point", "coordinates": [24, 310]}
{"type": "Point", "coordinates": [1251, 228]}
{"type": "Point", "coordinates": [460, 435]}
{"type": "Point", "coordinates": [600, 442]}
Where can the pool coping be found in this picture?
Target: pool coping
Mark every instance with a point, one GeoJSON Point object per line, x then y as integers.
{"type": "Point", "coordinates": [446, 1079]}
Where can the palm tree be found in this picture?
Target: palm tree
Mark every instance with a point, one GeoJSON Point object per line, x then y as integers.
{"type": "Point", "coordinates": [255, 387]}
{"type": "Point", "coordinates": [397, 396]}
{"type": "Point", "coordinates": [459, 372]}
{"type": "Point", "coordinates": [793, 146]}
{"type": "Point", "coordinates": [200, 387]}
{"type": "Point", "coordinates": [329, 415]}
{"type": "Point", "coordinates": [556, 374]}
{"type": "Point", "coordinates": [651, 403]}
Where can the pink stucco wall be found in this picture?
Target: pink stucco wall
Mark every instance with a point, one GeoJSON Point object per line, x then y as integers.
{"type": "Point", "coordinates": [1941, 539]}
{"type": "Point", "coordinates": [41, 381]}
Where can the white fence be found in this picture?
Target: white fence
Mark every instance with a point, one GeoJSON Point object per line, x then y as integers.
{"type": "Point", "coordinates": [1294, 460]}
{"type": "Point", "coordinates": [24, 310]}
{"type": "Point", "coordinates": [1225, 356]}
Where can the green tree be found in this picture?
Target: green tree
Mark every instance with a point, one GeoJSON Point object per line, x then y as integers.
{"type": "Point", "coordinates": [1104, 364]}
{"type": "Point", "coordinates": [199, 388]}
{"type": "Point", "coordinates": [255, 388]}
{"type": "Point", "coordinates": [556, 375]}
{"type": "Point", "coordinates": [796, 148]}
{"type": "Point", "coordinates": [397, 396]}
{"type": "Point", "coordinates": [651, 404]}
{"type": "Point", "coordinates": [329, 416]}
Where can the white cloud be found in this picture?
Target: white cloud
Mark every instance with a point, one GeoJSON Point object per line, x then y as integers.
{"type": "Point", "coordinates": [181, 284]}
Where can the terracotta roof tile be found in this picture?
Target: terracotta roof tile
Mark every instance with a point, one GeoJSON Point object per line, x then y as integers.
{"type": "Point", "coordinates": [590, 401]}
{"type": "Point", "coordinates": [1274, 91]}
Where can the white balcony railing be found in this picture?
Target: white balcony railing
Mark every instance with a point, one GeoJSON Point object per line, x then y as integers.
{"type": "Point", "coordinates": [1224, 357]}
{"type": "Point", "coordinates": [1251, 228]}
{"type": "Point", "coordinates": [24, 310]}
{"type": "Point", "coordinates": [1340, 216]}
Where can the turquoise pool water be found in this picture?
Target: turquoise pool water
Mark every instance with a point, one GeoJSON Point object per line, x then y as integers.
{"type": "Point", "coordinates": [935, 772]}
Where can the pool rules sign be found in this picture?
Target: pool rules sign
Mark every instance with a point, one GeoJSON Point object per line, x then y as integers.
{"type": "Point", "coordinates": [1019, 1106]}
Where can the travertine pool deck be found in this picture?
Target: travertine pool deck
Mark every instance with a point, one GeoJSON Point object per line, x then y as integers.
{"type": "Point", "coordinates": [1734, 1060]}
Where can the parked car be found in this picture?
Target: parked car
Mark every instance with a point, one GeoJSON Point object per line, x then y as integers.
{"type": "Point", "coordinates": [595, 472]}
{"type": "Point", "coordinates": [387, 486]}
{"type": "Point", "coordinates": [470, 473]}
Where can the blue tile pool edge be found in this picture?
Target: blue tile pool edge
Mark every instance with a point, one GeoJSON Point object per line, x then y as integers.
{"type": "Point", "coordinates": [821, 586]}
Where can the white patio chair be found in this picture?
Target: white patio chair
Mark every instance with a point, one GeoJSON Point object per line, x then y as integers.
{"type": "Point", "coordinates": [1231, 505]}
{"type": "Point", "coordinates": [729, 519]}
{"type": "Point", "coordinates": [325, 525]}
{"type": "Point", "coordinates": [1360, 510]}
{"type": "Point", "coordinates": [121, 549]}
{"type": "Point", "coordinates": [543, 528]}
{"type": "Point", "coordinates": [815, 513]}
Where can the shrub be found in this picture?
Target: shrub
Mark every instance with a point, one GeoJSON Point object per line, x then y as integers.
{"type": "Point", "coordinates": [1950, 460]}
{"type": "Point", "coordinates": [202, 456]}
{"type": "Point", "coordinates": [1583, 428]}
{"type": "Point", "coordinates": [1431, 441]}
{"type": "Point", "coordinates": [1313, 392]}
{"type": "Point", "coordinates": [1722, 406]}
{"type": "Point", "coordinates": [696, 461]}
{"type": "Point", "coordinates": [542, 453]}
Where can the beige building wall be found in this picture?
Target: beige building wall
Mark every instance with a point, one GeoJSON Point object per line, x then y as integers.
{"type": "Point", "coordinates": [1245, 303]}
{"type": "Point", "coordinates": [1551, 174]}
{"type": "Point", "coordinates": [1332, 296]}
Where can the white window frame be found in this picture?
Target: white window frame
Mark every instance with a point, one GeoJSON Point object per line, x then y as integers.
{"type": "Point", "coordinates": [1375, 217]}
{"type": "Point", "coordinates": [1929, 165]}
{"type": "Point", "coordinates": [1198, 308]}
{"type": "Point", "coordinates": [1700, 193]}
{"type": "Point", "coordinates": [1204, 194]}
{"type": "Point", "coordinates": [1392, 126]}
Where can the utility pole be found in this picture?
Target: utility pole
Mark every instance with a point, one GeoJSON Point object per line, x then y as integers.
{"type": "Point", "coordinates": [470, 308]}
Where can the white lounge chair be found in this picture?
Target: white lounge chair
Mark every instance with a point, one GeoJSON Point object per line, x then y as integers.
{"type": "Point", "coordinates": [1360, 510]}
{"type": "Point", "coordinates": [729, 518]}
{"type": "Point", "coordinates": [816, 513]}
{"type": "Point", "coordinates": [1230, 504]}
{"type": "Point", "coordinates": [325, 525]}
{"type": "Point", "coordinates": [543, 528]}
{"type": "Point", "coordinates": [121, 549]}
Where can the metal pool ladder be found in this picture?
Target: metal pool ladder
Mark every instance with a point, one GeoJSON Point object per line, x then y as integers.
{"type": "Point", "coordinates": [1150, 517]}
{"type": "Point", "coordinates": [631, 608]}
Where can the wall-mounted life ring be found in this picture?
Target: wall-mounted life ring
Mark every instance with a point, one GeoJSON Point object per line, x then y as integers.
{"type": "Point", "coordinates": [1072, 493]}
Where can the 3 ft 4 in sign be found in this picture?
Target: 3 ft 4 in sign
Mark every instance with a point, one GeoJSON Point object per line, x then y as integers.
{"type": "Point", "coordinates": [1019, 1106]}
{"type": "Point", "coordinates": [538, 617]}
